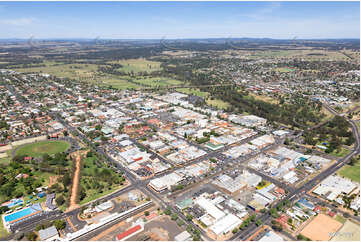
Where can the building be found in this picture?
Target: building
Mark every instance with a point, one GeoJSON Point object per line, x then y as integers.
{"type": "Point", "coordinates": [333, 186]}
{"type": "Point", "coordinates": [184, 236]}
{"type": "Point", "coordinates": [49, 234]}
{"type": "Point", "coordinates": [271, 236]}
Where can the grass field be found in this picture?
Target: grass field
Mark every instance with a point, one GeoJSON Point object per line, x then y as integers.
{"type": "Point", "coordinates": [43, 147]}
{"type": "Point", "coordinates": [158, 81]}
{"type": "Point", "coordinates": [217, 103]}
{"type": "Point", "coordinates": [6, 160]}
{"type": "Point", "coordinates": [349, 232]}
{"type": "Point", "coordinates": [351, 172]}
{"type": "Point", "coordinates": [343, 151]}
{"type": "Point", "coordinates": [120, 84]}
{"type": "Point", "coordinates": [138, 65]}
{"type": "Point", "coordinates": [283, 69]}
{"type": "Point", "coordinates": [3, 231]}
{"type": "Point", "coordinates": [75, 71]}
{"type": "Point", "coordinates": [195, 92]}
{"type": "Point", "coordinates": [264, 98]}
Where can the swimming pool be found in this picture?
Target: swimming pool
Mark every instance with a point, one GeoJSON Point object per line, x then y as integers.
{"type": "Point", "coordinates": [14, 202]}
{"type": "Point", "coordinates": [22, 213]}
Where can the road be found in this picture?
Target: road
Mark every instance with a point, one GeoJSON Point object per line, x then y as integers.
{"type": "Point", "coordinates": [292, 195]}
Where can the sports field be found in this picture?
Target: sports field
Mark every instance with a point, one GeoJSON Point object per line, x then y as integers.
{"type": "Point", "coordinates": [351, 172]}
{"type": "Point", "coordinates": [349, 232]}
{"type": "Point", "coordinates": [43, 147]}
{"type": "Point", "coordinates": [322, 227]}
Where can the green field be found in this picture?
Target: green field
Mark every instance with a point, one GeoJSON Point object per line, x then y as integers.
{"type": "Point", "coordinates": [75, 71]}
{"type": "Point", "coordinates": [351, 172]}
{"type": "Point", "coordinates": [138, 65]}
{"type": "Point", "coordinates": [195, 92]}
{"type": "Point", "coordinates": [120, 84]}
{"type": "Point", "coordinates": [283, 69]}
{"type": "Point", "coordinates": [158, 81]}
{"type": "Point", "coordinates": [43, 147]}
{"type": "Point", "coordinates": [343, 151]}
{"type": "Point", "coordinates": [217, 103]}
{"type": "Point", "coordinates": [6, 160]}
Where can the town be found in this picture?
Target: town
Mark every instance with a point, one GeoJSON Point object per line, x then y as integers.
{"type": "Point", "coordinates": [212, 139]}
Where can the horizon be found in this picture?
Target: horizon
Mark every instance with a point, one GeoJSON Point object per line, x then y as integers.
{"type": "Point", "coordinates": [179, 20]}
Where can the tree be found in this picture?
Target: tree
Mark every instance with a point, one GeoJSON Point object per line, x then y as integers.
{"type": "Point", "coordinates": [146, 213]}
{"type": "Point", "coordinates": [174, 216]}
{"type": "Point", "coordinates": [168, 211]}
{"type": "Point", "coordinates": [235, 230]}
{"type": "Point", "coordinates": [259, 222]}
{"type": "Point", "coordinates": [3, 209]}
{"type": "Point", "coordinates": [59, 224]}
{"type": "Point", "coordinates": [189, 217]}
{"type": "Point", "coordinates": [31, 236]}
{"type": "Point", "coordinates": [60, 200]}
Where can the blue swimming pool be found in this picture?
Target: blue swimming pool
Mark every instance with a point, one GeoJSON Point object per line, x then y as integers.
{"type": "Point", "coordinates": [15, 202]}
{"type": "Point", "coordinates": [22, 213]}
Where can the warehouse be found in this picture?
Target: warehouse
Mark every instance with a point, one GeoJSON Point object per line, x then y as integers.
{"type": "Point", "coordinates": [165, 182]}
{"type": "Point", "coordinates": [226, 224]}
{"type": "Point", "coordinates": [333, 186]}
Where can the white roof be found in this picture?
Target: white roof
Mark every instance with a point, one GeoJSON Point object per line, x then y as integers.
{"type": "Point", "coordinates": [226, 224]}
{"type": "Point", "coordinates": [184, 236]}
{"type": "Point", "coordinates": [210, 208]}
{"type": "Point", "coordinates": [289, 175]}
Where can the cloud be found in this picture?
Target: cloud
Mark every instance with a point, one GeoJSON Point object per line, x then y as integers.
{"type": "Point", "coordinates": [17, 22]}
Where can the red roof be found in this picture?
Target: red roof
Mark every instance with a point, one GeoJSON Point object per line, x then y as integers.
{"type": "Point", "coordinates": [128, 232]}
{"type": "Point", "coordinates": [331, 214]}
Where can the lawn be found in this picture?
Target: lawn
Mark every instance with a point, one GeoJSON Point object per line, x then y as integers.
{"type": "Point", "coordinates": [217, 103]}
{"type": "Point", "coordinates": [351, 172]}
{"type": "Point", "coordinates": [43, 147]}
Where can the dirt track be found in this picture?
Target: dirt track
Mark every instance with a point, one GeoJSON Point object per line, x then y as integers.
{"type": "Point", "coordinates": [74, 189]}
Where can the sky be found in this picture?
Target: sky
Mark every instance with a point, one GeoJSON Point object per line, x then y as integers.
{"type": "Point", "coordinates": [172, 20]}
